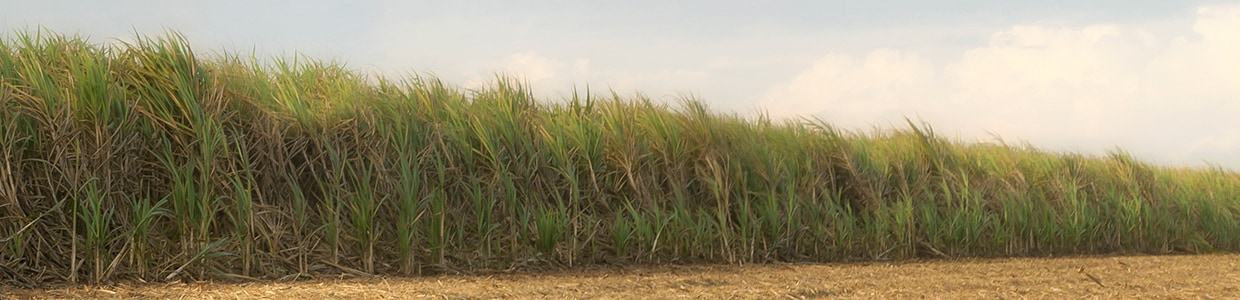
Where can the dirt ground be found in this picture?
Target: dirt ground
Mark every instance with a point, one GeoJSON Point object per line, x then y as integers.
{"type": "Point", "coordinates": [1128, 277]}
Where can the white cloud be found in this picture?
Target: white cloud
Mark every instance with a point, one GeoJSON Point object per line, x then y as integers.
{"type": "Point", "coordinates": [533, 67]}
{"type": "Point", "coordinates": [855, 91]}
{"type": "Point", "coordinates": [553, 79]}
{"type": "Point", "coordinates": [1165, 93]}
{"type": "Point", "coordinates": [543, 74]}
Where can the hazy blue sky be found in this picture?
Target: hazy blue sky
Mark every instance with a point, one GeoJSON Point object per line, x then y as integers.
{"type": "Point", "coordinates": [1158, 78]}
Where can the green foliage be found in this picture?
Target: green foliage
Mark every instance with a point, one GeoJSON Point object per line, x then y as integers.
{"type": "Point", "coordinates": [145, 160]}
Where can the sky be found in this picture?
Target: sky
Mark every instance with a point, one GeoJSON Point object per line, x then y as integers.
{"type": "Point", "coordinates": [1158, 79]}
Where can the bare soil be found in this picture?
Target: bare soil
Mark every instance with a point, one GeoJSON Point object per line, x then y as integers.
{"type": "Point", "coordinates": [1121, 277]}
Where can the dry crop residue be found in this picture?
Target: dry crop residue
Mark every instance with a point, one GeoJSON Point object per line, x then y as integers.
{"type": "Point", "coordinates": [1190, 276]}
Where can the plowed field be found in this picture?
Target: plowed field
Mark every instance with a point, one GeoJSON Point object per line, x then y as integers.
{"type": "Point", "coordinates": [1121, 277]}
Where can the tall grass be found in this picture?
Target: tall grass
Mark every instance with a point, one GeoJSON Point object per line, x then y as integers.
{"type": "Point", "coordinates": [149, 161]}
